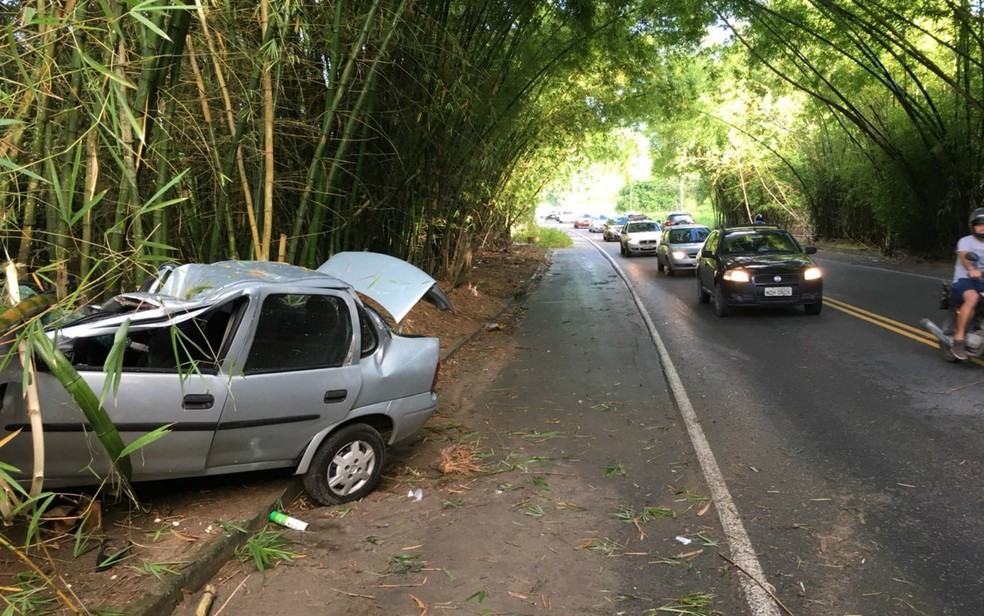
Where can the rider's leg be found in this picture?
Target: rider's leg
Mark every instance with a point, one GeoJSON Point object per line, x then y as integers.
{"type": "Point", "coordinates": [965, 313]}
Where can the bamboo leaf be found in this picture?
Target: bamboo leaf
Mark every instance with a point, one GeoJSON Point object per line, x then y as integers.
{"type": "Point", "coordinates": [147, 439]}
{"type": "Point", "coordinates": [87, 207]}
{"type": "Point", "coordinates": [137, 14]}
{"type": "Point", "coordinates": [113, 366]}
{"type": "Point", "coordinates": [106, 71]}
{"type": "Point", "coordinates": [9, 164]}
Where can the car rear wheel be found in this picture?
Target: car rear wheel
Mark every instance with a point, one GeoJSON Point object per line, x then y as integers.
{"type": "Point", "coordinates": [347, 465]}
{"type": "Point", "coordinates": [720, 306]}
{"type": "Point", "coordinates": [702, 296]}
{"type": "Point", "coordinates": [813, 308]}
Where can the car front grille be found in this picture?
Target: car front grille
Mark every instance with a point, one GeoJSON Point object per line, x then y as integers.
{"type": "Point", "coordinates": [786, 278]}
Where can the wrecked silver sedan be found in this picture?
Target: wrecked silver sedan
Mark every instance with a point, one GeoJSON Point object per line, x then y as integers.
{"type": "Point", "coordinates": [252, 365]}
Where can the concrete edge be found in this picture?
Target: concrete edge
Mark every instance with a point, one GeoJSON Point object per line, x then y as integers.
{"type": "Point", "coordinates": [207, 561]}
{"type": "Point", "coordinates": [214, 554]}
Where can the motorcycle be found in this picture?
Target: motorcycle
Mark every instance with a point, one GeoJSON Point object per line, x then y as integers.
{"type": "Point", "coordinates": [974, 336]}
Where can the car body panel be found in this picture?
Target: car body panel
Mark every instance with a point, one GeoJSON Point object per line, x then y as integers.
{"type": "Point", "coordinates": [774, 261]}
{"type": "Point", "coordinates": [252, 368]}
{"type": "Point", "coordinates": [640, 237]}
{"type": "Point", "coordinates": [679, 246]}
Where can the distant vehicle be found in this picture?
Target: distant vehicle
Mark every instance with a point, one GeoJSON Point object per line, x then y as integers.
{"type": "Point", "coordinates": [597, 224]}
{"type": "Point", "coordinates": [613, 228]}
{"type": "Point", "coordinates": [639, 237]}
{"type": "Point", "coordinates": [678, 218]}
{"type": "Point", "coordinates": [583, 221]}
{"type": "Point", "coordinates": [678, 248]}
{"type": "Point", "coordinates": [553, 216]}
{"type": "Point", "coordinates": [757, 265]}
{"type": "Point", "coordinates": [566, 218]}
{"type": "Point", "coordinates": [248, 365]}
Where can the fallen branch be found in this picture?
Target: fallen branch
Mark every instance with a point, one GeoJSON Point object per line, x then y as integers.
{"type": "Point", "coordinates": [761, 585]}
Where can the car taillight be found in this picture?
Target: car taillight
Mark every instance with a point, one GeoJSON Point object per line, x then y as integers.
{"type": "Point", "coordinates": [437, 370]}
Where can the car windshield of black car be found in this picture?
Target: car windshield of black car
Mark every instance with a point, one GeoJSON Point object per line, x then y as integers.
{"type": "Point", "coordinates": [758, 243]}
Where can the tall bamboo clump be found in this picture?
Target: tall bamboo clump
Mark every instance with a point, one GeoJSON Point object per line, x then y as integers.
{"type": "Point", "coordinates": [171, 130]}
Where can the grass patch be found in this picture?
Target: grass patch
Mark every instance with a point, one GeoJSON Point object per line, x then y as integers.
{"type": "Point", "coordinates": [405, 563]}
{"type": "Point", "coordinates": [266, 548]}
{"type": "Point", "coordinates": [693, 604]}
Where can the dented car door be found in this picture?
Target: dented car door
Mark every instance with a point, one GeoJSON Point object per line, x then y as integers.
{"type": "Point", "coordinates": [294, 376]}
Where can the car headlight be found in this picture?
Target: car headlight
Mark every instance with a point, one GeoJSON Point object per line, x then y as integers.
{"type": "Point", "coordinates": [679, 254]}
{"type": "Point", "coordinates": [812, 273]}
{"type": "Point", "coordinates": [736, 275]}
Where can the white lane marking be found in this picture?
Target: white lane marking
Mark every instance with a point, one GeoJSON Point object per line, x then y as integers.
{"type": "Point", "coordinates": [742, 553]}
{"type": "Point", "coordinates": [943, 275]}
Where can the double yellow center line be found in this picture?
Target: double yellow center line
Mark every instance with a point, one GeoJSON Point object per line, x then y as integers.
{"type": "Point", "coordinates": [915, 333]}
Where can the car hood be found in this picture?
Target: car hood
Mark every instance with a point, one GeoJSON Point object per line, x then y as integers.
{"type": "Point", "coordinates": [777, 261]}
{"type": "Point", "coordinates": [394, 283]}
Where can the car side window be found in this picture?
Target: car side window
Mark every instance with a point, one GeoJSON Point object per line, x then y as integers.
{"type": "Point", "coordinates": [370, 337]}
{"type": "Point", "coordinates": [199, 343]}
{"type": "Point", "coordinates": [300, 332]}
{"type": "Point", "coordinates": [711, 243]}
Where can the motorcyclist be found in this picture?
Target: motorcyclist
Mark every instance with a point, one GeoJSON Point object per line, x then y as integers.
{"type": "Point", "coordinates": [968, 280]}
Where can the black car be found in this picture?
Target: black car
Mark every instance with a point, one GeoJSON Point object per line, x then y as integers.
{"type": "Point", "coordinates": [760, 265]}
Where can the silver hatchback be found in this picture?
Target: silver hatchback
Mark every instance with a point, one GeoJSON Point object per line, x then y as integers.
{"type": "Point", "coordinates": [248, 365]}
{"type": "Point", "coordinates": [679, 246]}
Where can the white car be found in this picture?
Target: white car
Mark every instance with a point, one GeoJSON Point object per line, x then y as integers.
{"type": "Point", "coordinates": [597, 224]}
{"type": "Point", "coordinates": [640, 237]}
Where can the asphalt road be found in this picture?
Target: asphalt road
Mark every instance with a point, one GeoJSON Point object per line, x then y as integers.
{"type": "Point", "coordinates": [852, 450]}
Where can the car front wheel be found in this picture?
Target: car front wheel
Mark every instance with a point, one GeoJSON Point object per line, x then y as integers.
{"type": "Point", "coordinates": [347, 465]}
{"type": "Point", "coordinates": [720, 306]}
{"type": "Point", "coordinates": [702, 296]}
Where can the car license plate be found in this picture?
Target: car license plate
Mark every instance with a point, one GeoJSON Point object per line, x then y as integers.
{"type": "Point", "coordinates": [778, 291]}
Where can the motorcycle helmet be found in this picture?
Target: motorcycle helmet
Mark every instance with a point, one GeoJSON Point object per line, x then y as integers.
{"type": "Point", "coordinates": [977, 217]}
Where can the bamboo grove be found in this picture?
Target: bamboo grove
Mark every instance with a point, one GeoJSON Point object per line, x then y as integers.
{"type": "Point", "coordinates": [138, 132]}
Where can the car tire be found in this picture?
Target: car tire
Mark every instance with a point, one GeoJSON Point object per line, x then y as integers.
{"type": "Point", "coordinates": [720, 306]}
{"type": "Point", "coordinates": [669, 269]}
{"type": "Point", "coordinates": [347, 465]}
{"type": "Point", "coordinates": [813, 308]}
{"type": "Point", "coordinates": [702, 296]}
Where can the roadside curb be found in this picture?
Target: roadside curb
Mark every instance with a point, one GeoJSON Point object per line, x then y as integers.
{"type": "Point", "coordinates": [208, 560]}
{"type": "Point", "coordinates": [214, 554]}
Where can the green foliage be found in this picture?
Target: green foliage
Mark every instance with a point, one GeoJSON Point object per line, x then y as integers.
{"type": "Point", "coordinates": [265, 549]}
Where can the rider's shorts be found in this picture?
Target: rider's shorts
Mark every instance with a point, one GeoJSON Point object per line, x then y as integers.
{"type": "Point", "coordinates": [965, 284]}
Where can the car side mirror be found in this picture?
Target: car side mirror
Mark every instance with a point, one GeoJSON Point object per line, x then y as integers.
{"type": "Point", "coordinates": [707, 254]}
{"type": "Point", "coordinates": [810, 250]}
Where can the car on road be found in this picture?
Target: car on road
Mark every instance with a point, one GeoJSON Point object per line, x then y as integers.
{"type": "Point", "coordinates": [678, 248]}
{"type": "Point", "coordinates": [678, 218]}
{"type": "Point", "coordinates": [757, 265]}
{"type": "Point", "coordinates": [597, 224]}
{"type": "Point", "coordinates": [246, 365]}
{"type": "Point", "coordinates": [613, 228]}
{"type": "Point", "coordinates": [639, 237]}
{"type": "Point", "coordinates": [553, 216]}
{"type": "Point", "coordinates": [566, 217]}
{"type": "Point", "coordinates": [583, 221]}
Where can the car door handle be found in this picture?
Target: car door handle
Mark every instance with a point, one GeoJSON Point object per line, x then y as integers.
{"type": "Point", "coordinates": [197, 401]}
{"type": "Point", "coordinates": [335, 395]}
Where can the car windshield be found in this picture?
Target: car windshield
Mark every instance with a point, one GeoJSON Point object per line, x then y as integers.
{"type": "Point", "coordinates": [687, 236]}
{"type": "Point", "coordinates": [641, 227]}
{"type": "Point", "coordinates": [758, 243]}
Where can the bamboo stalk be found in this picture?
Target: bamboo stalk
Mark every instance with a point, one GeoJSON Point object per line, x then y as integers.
{"type": "Point", "coordinates": [31, 392]}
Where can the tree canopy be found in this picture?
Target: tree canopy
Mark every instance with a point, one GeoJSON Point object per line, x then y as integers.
{"type": "Point", "coordinates": [135, 133]}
